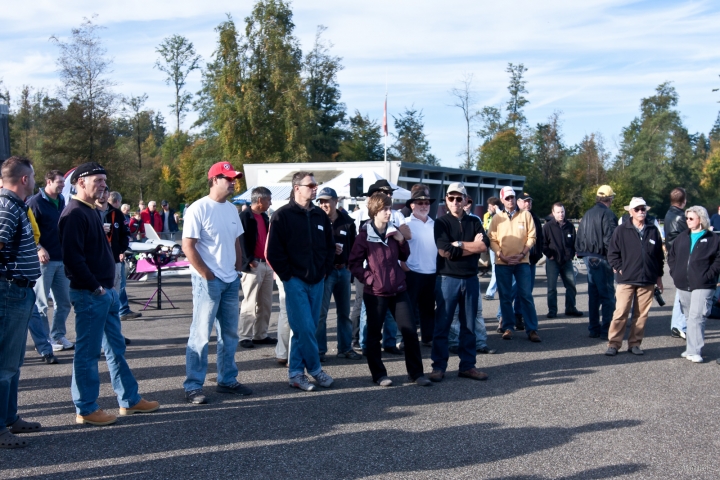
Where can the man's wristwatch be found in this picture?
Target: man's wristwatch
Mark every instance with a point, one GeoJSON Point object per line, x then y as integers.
{"type": "Point", "coordinates": [39, 247]}
{"type": "Point", "coordinates": [460, 244]}
{"type": "Point", "coordinates": [99, 291]}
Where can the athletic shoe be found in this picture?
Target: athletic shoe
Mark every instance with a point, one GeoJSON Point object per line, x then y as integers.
{"type": "Point", "coordinates": [423, 381]}
{"type": "Point", "coordinates": [266, 341]}
{"type": "Point", "coordinates": [611, 351]}
{"type": "Point", "coordinates": [350, 354]}
{"type": "Point", "coordinates": [247, 343]}
{"type": "Point", "coordinates": [384, 381]}
{"type": "Point", "coordinates": [323, 379]}
{"type": "Point", "coordinates": [50, 359]}
{"type": "Point", "coordinates": [195, 397]}
{"type": "Point", "coordinates": [301, 382]}
{"type": "Point", "coordinates": [636, 350]}
{"type": "Point", "coordinates": [236, 389]}
{"type": "Point", "coordinates": [676, 333]}
{"type": "Point", "coordinates": [684, 354]}
{"type": "Point", "coordinates": [488, 297]}
{"type": "Point", "coordinates": [695, 358]}
{"type": "Point", "coordinates": [130, 316]}
{"type": "Point", "coordinates": [62, 344]}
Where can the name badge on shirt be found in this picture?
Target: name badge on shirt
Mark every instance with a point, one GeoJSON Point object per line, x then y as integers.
{"type": "Point", "coordinates": [343, 232]}
{"type": "Point", "coordinates": [703, 240]}
{"type": "Point", "coordinates": [652, 241]}
{"type": "Point", "coordinates": [569, 235]}
{"type": "Point", "coordinates": [521, 227]}
{"type": "Point", "coordinates": [320, 227]}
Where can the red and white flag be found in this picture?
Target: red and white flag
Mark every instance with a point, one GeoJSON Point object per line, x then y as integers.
{"type": "Point", "coordinates": [384, 125]}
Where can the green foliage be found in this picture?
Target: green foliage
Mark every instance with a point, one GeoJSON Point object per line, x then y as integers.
{"type": "Point", "coordinates": [411, 145]}
{"type": "Point", "coordinates": [363, 142]}
{"type": "Point", "coordinates": [504, 153]}
{"type": "Point", "coordinates": [516, 117]}
{"type": "Point", "coordinates": [195, 161]}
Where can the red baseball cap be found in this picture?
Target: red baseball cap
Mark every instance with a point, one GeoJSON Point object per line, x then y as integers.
{"type": "Point", "coordinates": [225, 169]}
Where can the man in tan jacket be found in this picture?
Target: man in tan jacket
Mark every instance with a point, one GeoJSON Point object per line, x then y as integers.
{"type": "Point", "coordinates": [512, 235]}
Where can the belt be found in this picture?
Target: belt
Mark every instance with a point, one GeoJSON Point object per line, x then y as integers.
{"type": "Point", "coordinates": [261, 260]}
{"type": "Point", "coordinates": [339, 266]}
{"type": "Point", "coordinates": [21, 282]}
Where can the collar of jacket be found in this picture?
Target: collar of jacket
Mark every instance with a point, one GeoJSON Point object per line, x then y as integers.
{"type": "Point", "coordinates": [61, 199]}
{"type": "Point", "coordinates": [296, 206]}
{"type": "Point", "coordinates": [373, 237]}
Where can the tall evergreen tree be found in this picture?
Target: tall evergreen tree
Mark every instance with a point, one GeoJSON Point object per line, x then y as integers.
{"type": "Point", "coordinates": [178, 60]}
{"type": "Point", "coordinates": [411, 144]}
{"type": "Point", "coordinates": [363, 141]}
{"type": "Point", "coordinates": [516, 116]}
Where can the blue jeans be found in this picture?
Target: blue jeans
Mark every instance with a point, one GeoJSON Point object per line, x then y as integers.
{"type": "Point", "coordinates": [480, 331]}
{"type": "Point", "coordinates": [303, 303]}
{"type": "Point", "coordinates": [450, 293]}
{"type": "Point", "coordinates": [523, 278]}
{"type": "Point", "coordinates": [679, 320]}
{"type": "Point", "coordinates": [492, 286]}
{"type": "Point", "coordinates": [337, 285]}
{"type": "Point", "coordinates": [214, 303]}
{"type": "Point", "coordinates": [39, 333]}
{"type": "Point", "coordinates": [513, 298]}
{"type": "Point", "coordinates": [97, 325]}
{"type": "Point", "coordinates": [124, 307]}
{"type": "Point", "coordinates": [601, 292]}
{"type": "Point", "coordinates": [15, 310]}
{"type": "Point", "coordinates": [567, 274]}
{"type": "Point", "coordinates": [390, 337]}
{"type": "Point", "coordinates": [53, 280]}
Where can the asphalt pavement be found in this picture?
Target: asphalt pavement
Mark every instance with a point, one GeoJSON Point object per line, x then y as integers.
{"type": "Point", "coordinates": [557, 409]}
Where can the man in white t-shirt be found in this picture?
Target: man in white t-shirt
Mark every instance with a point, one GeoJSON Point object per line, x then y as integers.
{"type": "Point", "coordinates": [211, 243]}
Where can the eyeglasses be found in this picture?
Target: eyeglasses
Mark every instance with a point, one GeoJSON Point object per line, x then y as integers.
{"type": "Point", "coordinates": [508, 198]}
{"type": "Point", "coordinates": [455, 199]}
{"type": "Point", "coordinates": [422, 203]}
{"type": "Point", "coordinates": [639, 209]}
{"type": "Point", "coordinates": [311, 186]}
{"type": "Point", "coordinates": [690, 218]}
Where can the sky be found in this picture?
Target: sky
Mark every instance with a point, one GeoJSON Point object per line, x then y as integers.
{"type": "Point", "coordinates": [592, 60]}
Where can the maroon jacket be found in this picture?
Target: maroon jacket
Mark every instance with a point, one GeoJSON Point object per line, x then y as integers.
{"type": "Point", "coordinates": [383, 276]}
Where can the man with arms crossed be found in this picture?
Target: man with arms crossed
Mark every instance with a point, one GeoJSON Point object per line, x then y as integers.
{"type": "Point", "coordinates": [211, 242]}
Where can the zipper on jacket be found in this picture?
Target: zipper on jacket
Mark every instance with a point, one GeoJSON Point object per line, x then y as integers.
{"type": "Point", "coordinates": [310, 235]}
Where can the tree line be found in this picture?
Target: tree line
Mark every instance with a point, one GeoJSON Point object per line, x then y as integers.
{"type": "Point", "coordinates": [263, 99]}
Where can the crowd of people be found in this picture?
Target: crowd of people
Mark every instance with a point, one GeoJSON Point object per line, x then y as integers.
{"type": "Point", "coordinates": [410, 272]}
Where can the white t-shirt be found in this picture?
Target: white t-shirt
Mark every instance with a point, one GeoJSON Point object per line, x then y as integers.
{"type": "Point", "coordinates": [215, 226]}
{"type": "Point", "coordinates": [423, 250]}
{"type": "Point", "coordinates": [361, 216]}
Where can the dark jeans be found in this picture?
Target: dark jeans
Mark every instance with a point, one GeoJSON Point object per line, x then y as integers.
{"type": "Point", "coordinates": [601, 292]}
{"type": "Point", "coordinates": [517, 304]}
{"type": "Point", "coordinates": [567, 274]}
{"type": "Point", "coordinates": [449, 292]}
{"type": "Point", "coordinates": [421, 289]}
{"type": "Point", "coordinates": [399, 306]}
{"type": "Point", "coordinates": [337, 285]}
{"type": "Point", "coordinates": [523, 278]}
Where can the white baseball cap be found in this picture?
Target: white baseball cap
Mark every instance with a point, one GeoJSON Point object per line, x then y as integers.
{"type": "Point", "coordinates": [457, 187]}
{"type": "Point", "coordinates": [506, 192]}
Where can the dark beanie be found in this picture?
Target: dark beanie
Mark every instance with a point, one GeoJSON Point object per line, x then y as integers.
{"type": "Point", "coordinates": [85, 169]}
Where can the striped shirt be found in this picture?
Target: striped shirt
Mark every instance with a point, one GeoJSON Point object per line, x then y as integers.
{"type": "Point", "coordinates": [12, 216]}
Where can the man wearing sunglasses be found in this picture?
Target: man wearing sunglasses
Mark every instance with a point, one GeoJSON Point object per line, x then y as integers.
{"type": "Point", "coordinates": [512, 236]}
{"type": "Point", "coordinates": [636, 256]}
{"type": "Point", "coordinates": [459, 238]}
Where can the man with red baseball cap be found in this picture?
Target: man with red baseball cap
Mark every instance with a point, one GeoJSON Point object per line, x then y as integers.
{"type": "Point", "coordinates": [211, 242]}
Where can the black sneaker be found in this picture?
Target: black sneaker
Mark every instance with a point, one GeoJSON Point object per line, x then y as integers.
{"type": "Point", "coordinates": [236, 389]}
{"type": "Point", "coordinates": [486, 350]}
{"type": "Point", "coordinates": [393, 350]}
{"type": "Point", "coordinates": [50, 359]}
{"type": "Point", "coordinates": [266, 341]}
{"type": "Point", "coordinates": [676, 333]}
{"type": "Point", "coordinates": [350, 354]}
{"type": "Point", "coordinates": [247, 344]}
{"type": "Point", "coordinates": [195, 397]}
{"type": "Point", "coordinates": [552, 315]}
{"type": "Point", "coordinates": [573, 313]}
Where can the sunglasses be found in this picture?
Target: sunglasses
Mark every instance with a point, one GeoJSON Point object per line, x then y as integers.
{"type": "Point", "coordinates": [421, 203]}
{"type": "Point", "coordinates": [508, 198]}
{"type": "Point", "coordinates": [691, 218]}
{"type": "Point", "coordinates": [227, 178]}
{"type": "Point", "coordinates": [639, 209]}
{"type": "Point", "coordinates": [311, 186]}
{"type": "Point", "coordinates": [455, 199]}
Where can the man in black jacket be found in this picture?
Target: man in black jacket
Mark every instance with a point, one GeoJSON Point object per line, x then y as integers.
{"type": "Point", "coordinates": [636, 255]}
{"type": "Point", "coordinates": [337, 284]}
{"type": "Point", "coordinates": [257, 282]}
{"type": "Point", "coordinates": [301, 250]}
{"type": "Point", "coordinates": [115, 231]}
{"type": "Point", "coordinates": [559, 248]}
{"type": "Point", "coordinates": [167, 215]}
{"type": "Point", "coordinates": [89, 265]}
{"type": "Point", "coordinates": [675, 224]}
{"type": "Point", "coordinates": [593, 238]}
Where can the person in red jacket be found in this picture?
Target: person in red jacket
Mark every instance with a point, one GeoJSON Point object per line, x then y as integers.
{"type": "Point", "coordinates": [152, 216]}
{"type": "Point", "coordinates": [381, 245]}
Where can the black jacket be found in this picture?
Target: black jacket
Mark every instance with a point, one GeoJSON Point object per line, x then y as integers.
{"type": "Point", "coordinates": [696, 270]}
{"type": "Point", "coordinates": [47, 216]}
{"type": "Point", "coordinates": [674, 225]}
{"type": "Point", "coordinates": [172, 224]}
{"type": "Point", "coordinates": [536, 252]}
{"type": "Point", "coordinates": [86, 252]}
{"type": "Point", "coordinates": [595, 231]}
{"type": "Point", "coordinates": [559, 241]}
{"type": "Point", "coordinates": [636, 261]}
{"type": "Point", "coordinates": [119, 240]}
{"type": "Point", "coordinates": [300, 243]}
{"type": "Point", "coordinates": [448, 230]}
{"type": "Point", "coordinates": [250, 236]}
{"type": "Point", "coordinates": [344, 232]}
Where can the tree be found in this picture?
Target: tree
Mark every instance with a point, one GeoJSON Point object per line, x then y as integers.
{"type": "Point", "coordinates": [503, 154]}
{"type": "Point", "coordinates": [83, 68]}
{"type": "Point", "coordinates": [323, 94]}
{"type": "Point", "coordinates": [516, 117]}
{"type": "Point", "coordinates": [464, 100]}
{"type": "Point", "coordinates": [363, 142]}
{"type": "Point", "coordinates": [140, 130]}
{"type": "Point", "coordinates": [548, 159]}
{"type": "Point", "coordinates": [177, 60]}
{"type": "Point", "coordinates": [491, 123]}
{"type": "Point", "coordinates": [411, 144]}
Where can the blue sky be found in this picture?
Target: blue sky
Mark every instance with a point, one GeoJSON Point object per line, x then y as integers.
{"type": "Point", "coordinates": [592, 60]}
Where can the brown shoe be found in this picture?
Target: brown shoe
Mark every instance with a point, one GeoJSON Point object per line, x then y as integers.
{"type": "Point", "coordinates": [143, 406]}
{"type": "Point", "coordinates": [507, 335]}
{"type": "Point", "coordinates": [534, 337]}
{"type": "Point", "coordinates": [473, 373]}
{"type": "Point", "coordinates": [436, 376]}
{"type": "Point", "coordinates": [98, 418]}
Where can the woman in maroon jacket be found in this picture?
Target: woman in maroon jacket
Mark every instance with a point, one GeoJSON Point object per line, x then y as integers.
{"type": "Point", "coordinates": [381, 245]}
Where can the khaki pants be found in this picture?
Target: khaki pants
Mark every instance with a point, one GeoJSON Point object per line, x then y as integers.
{"type": "Point", "coordinates": [118, 277]}
{"type": "Point", "coordinates": [257, 287]}
{"type": "Point", "coordinates": [624, 294]}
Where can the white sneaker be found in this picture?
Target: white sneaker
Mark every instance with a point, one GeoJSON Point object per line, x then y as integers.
{"type": "Point", "coordinates": [684, 354]}
{"type": "Point", "coordinates": [695, 358]}
{"type": "Point", "coordinates": [62, 344]}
